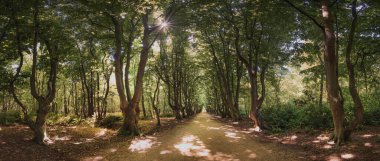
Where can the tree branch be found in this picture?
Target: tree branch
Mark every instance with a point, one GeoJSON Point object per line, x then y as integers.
{"type": "Point", "coordinates": [305, 14]}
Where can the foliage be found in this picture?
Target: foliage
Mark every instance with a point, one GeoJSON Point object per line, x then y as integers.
{"type": "Point", "coordinates": [167, 115]}
{"type": "Point", "coordinates": [372, 116]}
{"type": "Point", "coordinates": [110, 120]}
{"type": "Point", "coordinates": [289, 116]}
{"type": "Point", "coordinates": [9, 117]}
{"type": "Point", "coordinates": [60, 119]}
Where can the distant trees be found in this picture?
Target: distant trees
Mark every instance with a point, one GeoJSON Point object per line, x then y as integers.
{"type": "Point", "coordinates": [175, 69]}
{"type": "Point", "coordinates": [245, 38]}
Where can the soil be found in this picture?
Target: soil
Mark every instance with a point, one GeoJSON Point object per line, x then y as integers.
{"type": "Point", "coordinates": [203, 137]}
{"type": "Point", "coordinates": [316, 144]}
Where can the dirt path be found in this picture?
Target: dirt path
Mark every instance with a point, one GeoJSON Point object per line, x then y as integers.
{"type": "Point", "coordinates": [202, 138]}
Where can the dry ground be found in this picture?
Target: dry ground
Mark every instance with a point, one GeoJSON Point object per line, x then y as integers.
{"type": "Point", "coordinates": [315, 145]}
{"type": "Point", "coordinates": [201, 138]}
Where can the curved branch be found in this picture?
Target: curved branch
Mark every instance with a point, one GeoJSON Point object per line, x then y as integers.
{"type": "Point", "coordinates": [305, 14]}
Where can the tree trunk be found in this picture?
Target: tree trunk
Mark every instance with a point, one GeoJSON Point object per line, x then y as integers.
{"type": "Point", "coordinates": [39, 129]}
{"type": "Point", "coordinates": [65, 109]}
{"type": "Point", "coordinates": [143, 105]}
{"type": "Point", "coordinates": [83, 99]}
{"type": "Point", "coordinates": [254, 102]}
{"type": "Point", "coordinates": [332, 84]}
{"type": "Point", "coordinates": [321, 90]}
{"type": "Point", "coordinates": [129, 120]}
{"type": "Point", "coordinates": [351, 77]}
{"type": "Point", "coordinates": [90, 95]}
{"type": "Point", "coordinates": [155, 101]}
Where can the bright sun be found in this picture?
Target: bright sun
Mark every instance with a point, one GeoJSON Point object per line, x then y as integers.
{"type": "Point", "coordinates": [164, 25]}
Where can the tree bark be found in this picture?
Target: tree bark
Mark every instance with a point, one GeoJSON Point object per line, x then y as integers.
{"type": "Point", "coordinates": [129, 124]}
{"type": "Point", "coordinates": [332, 84]}
{"type": "Point", "coordinates": [155, 101]}
{"type": "Point", "coordinates": [143, 105]}
{"type": "Point", "coordinates": [359, 110]}
{"type": "Point", "coordinates": [131, 119]}
{"type": "Point", "coordinates": [252, 73]}
{"type": "Point", "coordinates": [65, 108]}
{"type": "Point", "coordinates": [334, 94]}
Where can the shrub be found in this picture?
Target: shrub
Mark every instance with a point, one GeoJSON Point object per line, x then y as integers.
{"type": "Point", "coordinates": [9, 117]}
{"type": "Point", "coordinates": [289, 116]}
{"type": "Point", "coordinates": [59, 119]}
{"type": "Point", "coordinates": [371, 116]}
{"type": "Point", "coordinates": [278, 118]}
{"type": "Point", "coordinates": [110, 120]}
{"type": "Point", "coordinates": [167, 115]}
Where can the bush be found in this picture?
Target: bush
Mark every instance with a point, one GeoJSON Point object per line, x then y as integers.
{"type": "Point", "coordinates": [167, 115]}
{"type": "Point", "coordinates": [59, 119]}
{"type": "Point", "coordinates": [278, 118]}
{"type": "Point", "coordinates": [371, 116]}
{"type": "Point", "coordinates": [313, 117]}
{"type": "Point", "coordinates": [9, 117]}
{"type": "Point", "coordinates": [110, 120]}
{"type": "Point", "coordinates": [289, 116]}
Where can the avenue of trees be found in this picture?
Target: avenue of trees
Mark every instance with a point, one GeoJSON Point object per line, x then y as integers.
{"type": "Point", "coordinates": [282, 63]}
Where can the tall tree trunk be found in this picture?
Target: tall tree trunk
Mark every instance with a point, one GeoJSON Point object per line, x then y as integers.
{"type": "Point", "coordinates": [239, 75]}
{"type": "Point", "coordinates": [83, 99]}
{"type": "Point", "coordinates": [65, 103]}
{"type": "Point", "coordinates": [119, 80]}
{"type": "Point", "coordinates": [351, 76]}
{"type": "Point", "coordinates": [252, 73]}
{"type": "Point", "coordinates": [143, 105]}
{"type": "Point", "coordinates": [131, 119]}
{"type": "Point", "coordinates": [105, 102]}
{"type": "Point", "coordinates": [321, 90]}
{"type": "Point", "coordinates": [332, 84]}
{"type": "Point", "coordinates": [155, 101]}
{"type": "Point", "coordinates": [75, 98]}
{"type": "Point", "coordinates": [43, 101]}
{"type": "Point", "coordinates": [90, 95]}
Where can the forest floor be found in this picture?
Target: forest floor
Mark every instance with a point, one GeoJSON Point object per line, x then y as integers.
{"type": "Point", "coordinates": [316, 144]}
{"type": "Point", "coordinates": [203, 137]}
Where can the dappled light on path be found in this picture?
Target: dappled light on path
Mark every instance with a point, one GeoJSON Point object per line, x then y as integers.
{"type": "Point", "coordinates": [333, 158]}
{"type": "Point", "coordinates": [347, 156]}
{"type": "Point", "coordinates": [343, 156]}
{"type": "Point", "coordinates": [141, 145]}
{"type": "Point", "coordinates": [368, 144]}
{"type": "Point", "coordinates": [367, 135]}
{"type": "Point", "coordinates": [232, 135]}
{"type": "Point", "coordinates": [113, 150]}
{"type": "Point", "coordinates": [213, 128]}
{"type": "Point", "coordinates": [64, 138]}
{"type": "Point", "coordinates": [327, 146]}
{"type": "Point", "coordinates": [199, 138]}
{"type": "Point", "coordinates": [101, 132]}
{"type": "Point", "coordinates": [96, 158]}
{"type": "Point", "coordinates": [166, 152]}
{"type": "Point", "coordinates": [192, 146]}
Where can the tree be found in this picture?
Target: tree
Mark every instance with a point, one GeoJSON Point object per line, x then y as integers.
{"type": "Point", "coordinates": [331, 68]}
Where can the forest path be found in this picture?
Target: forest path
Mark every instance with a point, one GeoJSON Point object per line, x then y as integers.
{"type": "Point", "coordinates": [201, 138]}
